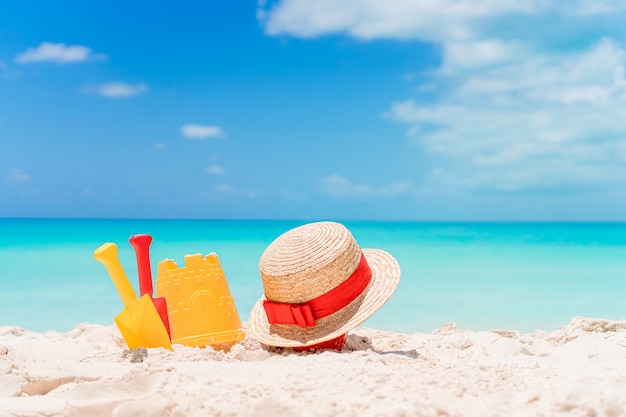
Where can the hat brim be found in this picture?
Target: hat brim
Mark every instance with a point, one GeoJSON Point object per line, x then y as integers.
{"type": "Point", "coordinates": [385, 279]}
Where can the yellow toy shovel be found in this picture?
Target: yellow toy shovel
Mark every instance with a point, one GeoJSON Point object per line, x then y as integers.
{"type": "Point", "coordinates": [139, 323]}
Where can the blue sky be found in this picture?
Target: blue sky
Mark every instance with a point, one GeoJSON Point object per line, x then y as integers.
{"type": "Point", "coordinates": [408, 110]}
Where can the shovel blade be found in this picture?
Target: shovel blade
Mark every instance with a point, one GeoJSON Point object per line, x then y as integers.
{"type": "Point", "coordinates": [141, 325]}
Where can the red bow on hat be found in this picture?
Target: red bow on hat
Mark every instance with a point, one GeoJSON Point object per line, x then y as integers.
{"type": "Point", "coordinates": [305, 314]}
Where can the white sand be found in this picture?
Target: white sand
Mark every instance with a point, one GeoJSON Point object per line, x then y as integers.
{"type": "Point", "coordinates": [577, 370]}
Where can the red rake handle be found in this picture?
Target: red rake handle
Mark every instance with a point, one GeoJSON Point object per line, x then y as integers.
{"type": "Point", "coordinates": [141, 244]}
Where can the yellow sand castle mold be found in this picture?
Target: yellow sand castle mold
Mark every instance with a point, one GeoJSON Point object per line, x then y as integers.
{"type": "Point", "coordinates": [200, 308]}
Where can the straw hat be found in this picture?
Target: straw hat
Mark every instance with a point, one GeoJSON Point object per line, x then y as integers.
{"type": "Point", "coordinates": [319, 285]}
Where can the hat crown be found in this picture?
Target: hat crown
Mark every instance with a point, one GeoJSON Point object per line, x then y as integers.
{"type": "Point", "coordinates": [308, 261]}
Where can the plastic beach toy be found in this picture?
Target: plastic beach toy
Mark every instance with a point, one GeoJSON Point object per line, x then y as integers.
{"type": "Point", "coordinates": [200, 307]}
{"type": "Point", "coordinates": [141, 245]}
{"type": "Point", "coordinates": [139, 322]}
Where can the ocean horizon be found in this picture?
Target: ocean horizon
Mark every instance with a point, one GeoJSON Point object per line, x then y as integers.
{"type": "Point", "coordinates": [481, 275]}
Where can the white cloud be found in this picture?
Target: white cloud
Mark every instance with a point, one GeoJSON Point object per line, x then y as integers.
{"type": "Point", "coordinates": [195, 131]}
{"type": "Point", "coordinates": [594, 7]}
{"type": "Point", "coordinates": [57, 52]}
{"type": "Point", "coordinates": [472, 55]}
{"type": "Point", "coordinates": [18, 176]}
{"type": "Point", "coordinates": [160, 146]}
{"type": "Point", "coordinates": [528, 94]}
{"type": "Point", "coordinates": [398, 19]}
{"type": "Point", "coordinates": [434, 21]}
{"type": "Point", "coordinates": [341, 187]}
{"type": "Point", "coordinates": [549, 121]}
{"type": "Point", "coordinates": [214, 170]}
{"type": "Point", "coordinates": [222, 190]}
{"type": "Point", "coordinates": [115, 89]}
{"type": "Point", "coordinates": [226, 189]}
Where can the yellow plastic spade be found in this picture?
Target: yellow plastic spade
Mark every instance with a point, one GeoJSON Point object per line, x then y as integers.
{"type": "Point", "coordinates": [139, 323]}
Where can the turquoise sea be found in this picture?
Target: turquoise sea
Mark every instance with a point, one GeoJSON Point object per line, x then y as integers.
{"type": "Point", "coordinates": [521, 276]}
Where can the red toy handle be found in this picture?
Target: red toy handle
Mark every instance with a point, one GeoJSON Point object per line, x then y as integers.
{"type": "Point", "coordinates": [141, 244]}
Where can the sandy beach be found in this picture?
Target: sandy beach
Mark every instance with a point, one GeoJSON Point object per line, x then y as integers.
{"type": "Point", "coordinates": [578, 369]}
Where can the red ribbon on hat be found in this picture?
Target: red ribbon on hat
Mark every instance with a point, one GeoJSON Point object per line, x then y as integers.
{"type": "Point", "coordinates": [305, 314]}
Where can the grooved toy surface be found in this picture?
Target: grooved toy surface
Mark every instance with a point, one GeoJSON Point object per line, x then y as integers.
{"type": "Point", "coordinates": [200, 308]}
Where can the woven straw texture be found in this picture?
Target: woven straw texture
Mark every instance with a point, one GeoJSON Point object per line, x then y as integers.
{"type": "Point", "coordinates": [309, 261]}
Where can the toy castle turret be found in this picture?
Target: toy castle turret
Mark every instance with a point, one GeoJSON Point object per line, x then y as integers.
{"type": "Point", "coordinates": [200, 308]}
